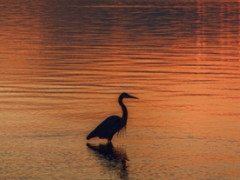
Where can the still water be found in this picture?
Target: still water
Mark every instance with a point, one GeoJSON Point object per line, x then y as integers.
{"type": "Point", "coordinates": [64, 63]}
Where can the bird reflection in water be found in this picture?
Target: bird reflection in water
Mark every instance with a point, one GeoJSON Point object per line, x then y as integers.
{"type": "Point", "coordinates": [114, 159]}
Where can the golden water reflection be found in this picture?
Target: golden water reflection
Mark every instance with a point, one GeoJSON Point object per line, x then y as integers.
{"type": "Point", "coordinates": [63, 65]}
{"type": "Point", "coordinates": [115, 160]}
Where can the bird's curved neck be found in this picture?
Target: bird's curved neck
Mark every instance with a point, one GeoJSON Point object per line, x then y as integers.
{"type": "Point", "coordinates": [124, 109]}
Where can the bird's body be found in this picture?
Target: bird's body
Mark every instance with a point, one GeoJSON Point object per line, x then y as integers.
{"type": "Point", "coordinates": [112, 124]}
{"type": "Point", "coordinates": [107, 128]}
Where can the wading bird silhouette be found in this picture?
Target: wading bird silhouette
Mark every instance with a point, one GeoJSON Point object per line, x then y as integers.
{"type": "Point", "coordinates": [112, 124]}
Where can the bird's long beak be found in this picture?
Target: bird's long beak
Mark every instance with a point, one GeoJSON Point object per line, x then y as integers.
{"type": "Point", "coordinates": [133, 97]}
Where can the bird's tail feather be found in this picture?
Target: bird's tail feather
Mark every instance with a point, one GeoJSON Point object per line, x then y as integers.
{"type": "Point", "coordinates": [91, 135]}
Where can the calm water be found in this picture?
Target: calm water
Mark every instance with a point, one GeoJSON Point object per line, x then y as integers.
{"type": "Point", "coordinates": [64, 63]}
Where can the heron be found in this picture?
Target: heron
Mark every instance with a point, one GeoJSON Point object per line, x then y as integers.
{"type": "Point", "coordinates": [112, 124]}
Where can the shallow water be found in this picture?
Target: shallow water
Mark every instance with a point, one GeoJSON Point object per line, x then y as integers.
{"type": "Point", "coordinates": [64, 63]}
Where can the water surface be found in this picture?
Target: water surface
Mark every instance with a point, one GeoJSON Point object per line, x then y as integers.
{"type": "Point", "coordinates": [63, 65]}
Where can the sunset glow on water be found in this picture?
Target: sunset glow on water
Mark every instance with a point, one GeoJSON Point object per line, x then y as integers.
{"type": "Point", "coordinates": [63, 65]}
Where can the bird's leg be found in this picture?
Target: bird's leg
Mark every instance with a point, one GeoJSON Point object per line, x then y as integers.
{"type": "Point", "coordinates": [109, 140]}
